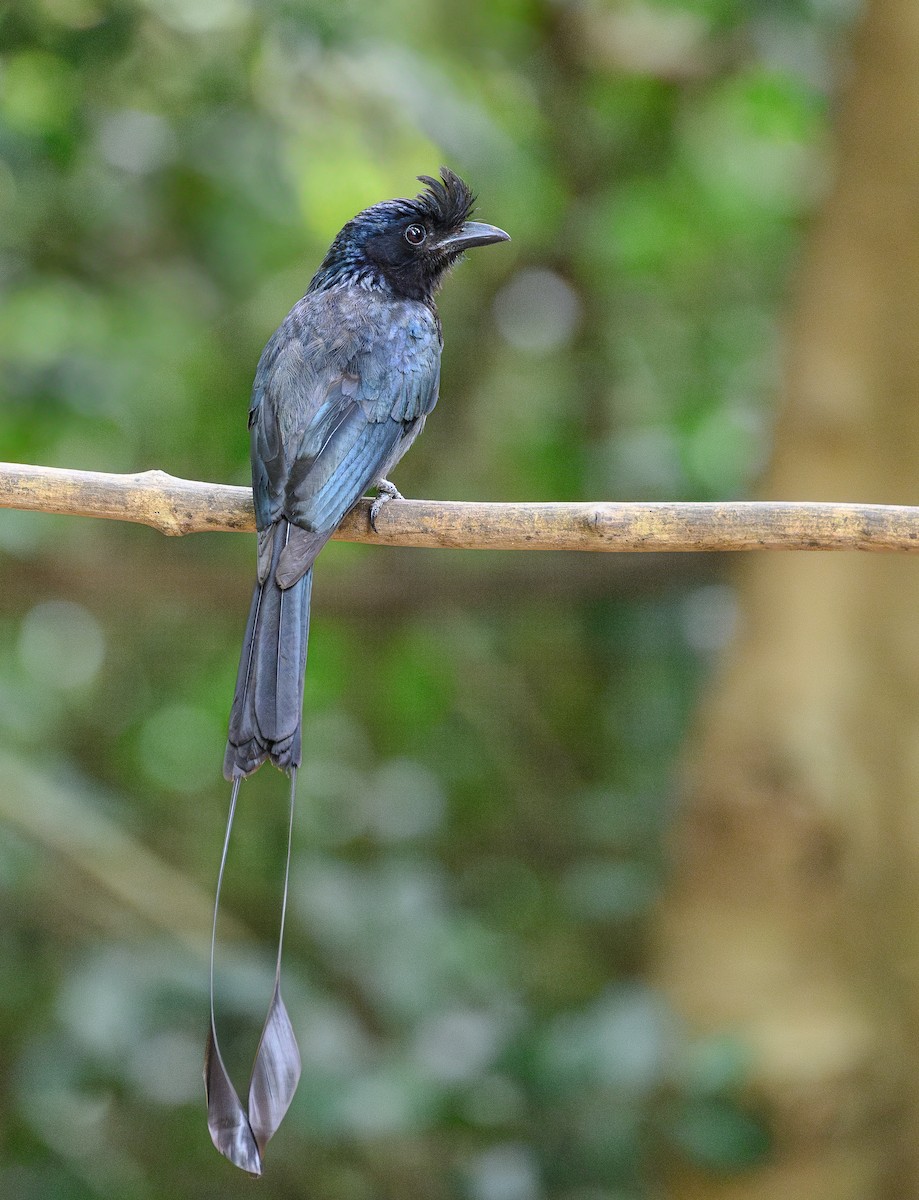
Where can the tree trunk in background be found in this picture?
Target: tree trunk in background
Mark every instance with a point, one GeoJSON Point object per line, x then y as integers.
{"type": "Point", "coordinates": [792, 917]}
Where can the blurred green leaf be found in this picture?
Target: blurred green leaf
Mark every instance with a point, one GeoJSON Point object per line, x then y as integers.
{"type": "Point", "coordinates": [719, 1135]}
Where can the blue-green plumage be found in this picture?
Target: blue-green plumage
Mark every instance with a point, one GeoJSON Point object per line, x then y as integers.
{"type": "Point", "coordinates": [341, 391]}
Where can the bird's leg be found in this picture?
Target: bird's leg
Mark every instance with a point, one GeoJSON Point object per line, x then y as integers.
{"type": "Point", "coordinates": [386, 491]}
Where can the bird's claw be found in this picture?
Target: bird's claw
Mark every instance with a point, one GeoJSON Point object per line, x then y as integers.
{"type": "Point", "coordinates": [386, 491]}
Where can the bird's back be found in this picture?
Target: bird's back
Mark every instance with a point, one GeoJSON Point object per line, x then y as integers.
{"type": "Point", "coordinates": [348, 374]}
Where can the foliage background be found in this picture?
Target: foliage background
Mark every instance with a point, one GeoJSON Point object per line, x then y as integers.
{"type": "Point", "coordinates": [490, 739]}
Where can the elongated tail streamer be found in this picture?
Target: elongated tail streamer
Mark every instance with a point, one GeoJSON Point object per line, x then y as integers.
{"type": "Point", "coordinates": [241, 1135]}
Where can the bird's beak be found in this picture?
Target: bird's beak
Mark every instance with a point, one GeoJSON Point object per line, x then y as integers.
{"type": "Point", "coordinates": [472, 233]}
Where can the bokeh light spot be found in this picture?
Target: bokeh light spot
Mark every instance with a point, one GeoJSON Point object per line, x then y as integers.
{"type": "Point", "coordinates": [61, 644]}
{"type": "Point", "coordinates": [537, 312]}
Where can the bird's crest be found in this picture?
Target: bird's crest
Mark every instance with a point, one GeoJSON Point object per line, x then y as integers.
{"type": "Point", "coordinates": [371, 251]}
{"type": "Point", "coordinates": [447, 202]}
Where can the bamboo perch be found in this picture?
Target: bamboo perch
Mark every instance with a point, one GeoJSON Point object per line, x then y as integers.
{"type": "Point", "coordinates": [180, 506]}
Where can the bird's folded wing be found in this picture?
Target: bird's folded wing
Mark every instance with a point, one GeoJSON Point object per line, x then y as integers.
{"type": "Point", "coordinates": [328, 416]}
{"type": "Point", "coordinates": [320, 491]}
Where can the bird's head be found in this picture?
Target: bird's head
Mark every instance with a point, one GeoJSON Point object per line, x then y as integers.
{"type": "Point", "coordinates": [405, 246]}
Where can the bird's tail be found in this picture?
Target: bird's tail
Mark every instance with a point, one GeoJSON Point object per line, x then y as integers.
{"type": "Point", "coordinates": [266, 716]}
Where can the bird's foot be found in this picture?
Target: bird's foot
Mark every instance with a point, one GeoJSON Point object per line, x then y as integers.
{"type": "Point", "coordinates": [386, 491]}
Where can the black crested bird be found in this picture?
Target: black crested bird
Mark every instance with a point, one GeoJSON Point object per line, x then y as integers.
{"type": "Point", "coordinates": [342, 390]}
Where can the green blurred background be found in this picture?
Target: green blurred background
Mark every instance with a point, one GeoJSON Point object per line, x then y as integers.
{"type": "Point", "coordinates": [490, 739]}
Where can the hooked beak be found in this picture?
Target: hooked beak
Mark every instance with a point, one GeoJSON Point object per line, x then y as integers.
{"type": "Point", "coordinates": [472, 233]}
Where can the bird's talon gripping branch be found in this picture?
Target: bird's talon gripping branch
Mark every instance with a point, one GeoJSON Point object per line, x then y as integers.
{"type": "Point", "coordinates": [386, 491]}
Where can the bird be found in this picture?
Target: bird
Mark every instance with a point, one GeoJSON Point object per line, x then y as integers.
{"type": "Point", "coordinates": [342, 389]}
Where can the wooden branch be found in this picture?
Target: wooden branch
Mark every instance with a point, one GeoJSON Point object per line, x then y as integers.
{"type": "Point", "coordinates": [179, 506]}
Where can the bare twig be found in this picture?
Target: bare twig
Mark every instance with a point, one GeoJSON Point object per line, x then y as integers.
{"type": "Point", "coordinates": [179, 506]}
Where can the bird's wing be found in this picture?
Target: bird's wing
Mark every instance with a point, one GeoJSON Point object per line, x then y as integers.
{"type": "Point", "coordinates": [391, 384]}
{"type": "Point", "coordinates": [334, 396]}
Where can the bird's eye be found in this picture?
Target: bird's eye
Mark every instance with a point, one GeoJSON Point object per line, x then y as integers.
{"type": "Point", "coordinates": [415, 235]}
